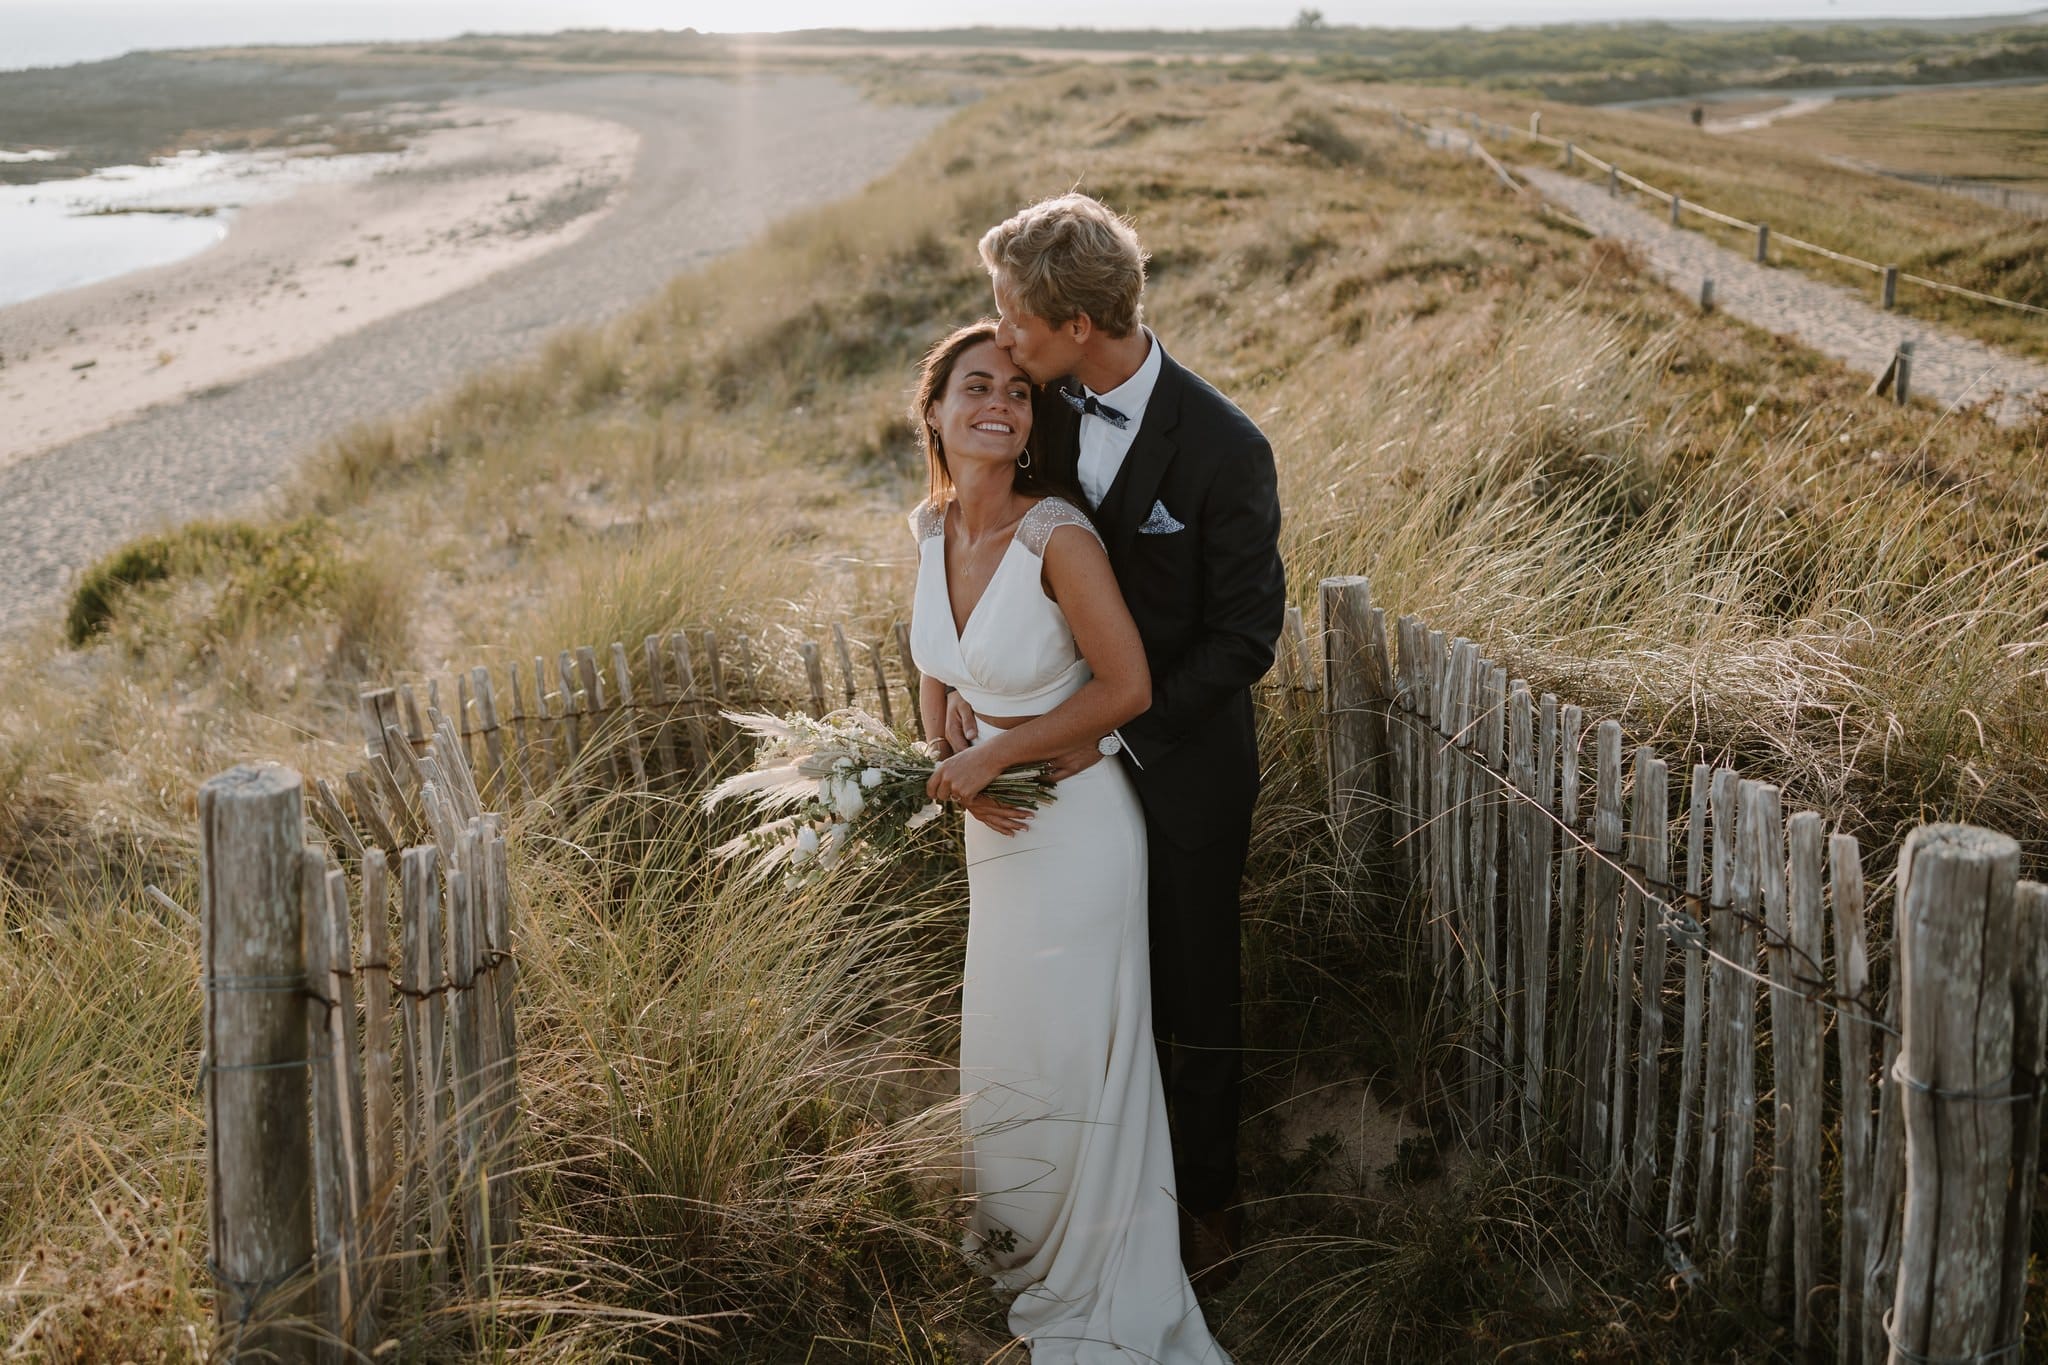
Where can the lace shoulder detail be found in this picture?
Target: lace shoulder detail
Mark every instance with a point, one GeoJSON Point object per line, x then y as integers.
{"type": "Point", "coordinates": [1036, 529]}
{"type": "Point", "coordinates": [927, 521]}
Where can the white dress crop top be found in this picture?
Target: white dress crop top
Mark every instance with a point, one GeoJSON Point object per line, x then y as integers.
{"type": "Point", "coordinates": [1016, 656]}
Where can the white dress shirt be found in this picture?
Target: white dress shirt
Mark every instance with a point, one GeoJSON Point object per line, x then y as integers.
{"type": "Point", "coordinates": [1103, 443]}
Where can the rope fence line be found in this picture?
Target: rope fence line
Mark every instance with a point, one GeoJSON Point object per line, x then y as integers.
{"type": "Point", "coordinates": [1574, 154]}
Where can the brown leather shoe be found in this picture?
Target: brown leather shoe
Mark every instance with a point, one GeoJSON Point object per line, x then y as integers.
{"type": "Point", "coordinates": [1208, 1247]}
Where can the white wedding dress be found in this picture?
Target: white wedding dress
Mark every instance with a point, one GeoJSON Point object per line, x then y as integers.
{"type": "Point", "coordinates": [1067, 1155]}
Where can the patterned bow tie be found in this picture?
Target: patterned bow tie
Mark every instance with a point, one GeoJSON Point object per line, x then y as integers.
{"type": "Point", "coordinates": [1091, 406]}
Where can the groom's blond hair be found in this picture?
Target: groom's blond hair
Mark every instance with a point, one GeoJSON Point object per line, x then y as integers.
{"type": "Point", "coordinates": [1071, 255]}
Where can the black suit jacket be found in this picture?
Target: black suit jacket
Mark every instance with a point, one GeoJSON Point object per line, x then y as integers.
{"type": "Point", "coordinates": [1209, 597]}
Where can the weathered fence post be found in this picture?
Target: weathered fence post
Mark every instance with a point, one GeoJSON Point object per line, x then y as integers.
{"type": "Point", "coordinates": [379, 709]}
{"type": "Point", "coordinates": [912, 678]}
{"type": "Point", "coordinates": [1891, 287]}
{"type": "Point", "coordinates": [2029, 1049]}
{"type": "Point", "coordinates": [1676, 204]}
{"type": "Point", "coordinates": [814, 678]}
{"type": "Point", "coordinates": [1357, 688]}
{"type": "Point", "coordinates": [259, 1148]}
{"type": "Point", "coordinates": [1651, 836]}
{"type": "Point", "coordinates": [1902, 383]}
{"type": "Point", "coordinates": [1757, 833]}
{"type": "Point", "coordinates": [1797, 1066]}
{"type": "Point", "coordinates": [1852, 977]}
{"type": "Point", "coordinates": [1763, 243]}
{"type": "Point", "coordinates": [337, 1191]}
{"type": "Point", "coordinates": [1542, 862]}
{"type": "Point", "coordinates": [1571, 998]}
{"type": "Point", "coordinates": [380, 1103]}
{"type": "Point", "coordinates": [1603, 886]}
{"type": "Point", "coordinates": [1956, 894]}
{"type": "Point", "coordinates": [1720, 999]}
{"type": "Point", "coordinates": [1689, 1049]}
{"type": "Point", "coordinates": [425, 1016]}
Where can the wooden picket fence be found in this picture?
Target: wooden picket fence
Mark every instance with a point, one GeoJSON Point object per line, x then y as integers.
{"type": "Point", "coordinates": [592, 724]}
{"type": "Point", "coordinates": [350, 1161]}
{"type": "Point", "coordinates": [1605, 1006]}
{"type": "Point", "coordinates": [394, 1169]}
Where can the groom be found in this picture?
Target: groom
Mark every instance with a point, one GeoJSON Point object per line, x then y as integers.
{"type": "Point", "coordinates": [1182, 487]}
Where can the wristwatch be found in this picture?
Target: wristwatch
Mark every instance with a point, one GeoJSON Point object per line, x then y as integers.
{"type": "Point", "coordinates": [1109, 746]}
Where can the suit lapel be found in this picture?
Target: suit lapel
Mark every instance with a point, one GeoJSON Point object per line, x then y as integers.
{"type": "Point", "coordinates": [1129, 499]}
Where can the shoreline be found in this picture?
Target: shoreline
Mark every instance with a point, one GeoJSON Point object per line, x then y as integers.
{"type": "Point", "coordinates": [486, 188]}
{"type": "Point", "coordinates": [719, 162]}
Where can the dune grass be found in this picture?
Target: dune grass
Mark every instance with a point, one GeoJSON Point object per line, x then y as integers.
{"type": "Point", "coordinates": [737, 1130]}
{"type": "Point", "coordinates": [1999, 136]}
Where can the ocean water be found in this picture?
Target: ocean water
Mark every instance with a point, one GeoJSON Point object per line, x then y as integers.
{"type": "Point", "coordinates": [62, 234]}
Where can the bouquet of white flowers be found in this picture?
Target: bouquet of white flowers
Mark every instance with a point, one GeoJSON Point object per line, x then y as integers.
{"type": "Point", "coordinates": [849, 783]}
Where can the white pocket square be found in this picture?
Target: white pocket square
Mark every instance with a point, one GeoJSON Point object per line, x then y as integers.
{"type": "Point", "coordinates": [1160, 522]}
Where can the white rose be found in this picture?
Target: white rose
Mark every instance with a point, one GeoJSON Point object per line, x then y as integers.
{"type": "Point", "coordinates": [924, 817]}
{"type": "Point", "coordinates": [806, 844]}
{"type": "Point", "coordinates": [871, 778]}
{"type": "Point", "coordinates": [835, 843]}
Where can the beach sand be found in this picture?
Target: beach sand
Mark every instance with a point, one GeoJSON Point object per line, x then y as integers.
{"type": "Point", "coordinates": [717, 162]}
{"type": "Point", "coordinates": [484, 189]}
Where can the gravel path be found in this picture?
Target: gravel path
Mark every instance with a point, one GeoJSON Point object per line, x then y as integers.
{"type": "Point", "coordinates": [719, 162]}
{"type": "Point", "coordinates": [1832, 320]}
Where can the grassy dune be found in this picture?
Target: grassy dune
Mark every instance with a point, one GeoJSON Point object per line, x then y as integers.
{"type": "Point", "coordinates": [738, 1150]}
{"type": "Point", "coordinates": [1996, 136]}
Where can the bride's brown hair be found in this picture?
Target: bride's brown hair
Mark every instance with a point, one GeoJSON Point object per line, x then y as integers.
{"type": "Point", "coordinates": [1036, 479]}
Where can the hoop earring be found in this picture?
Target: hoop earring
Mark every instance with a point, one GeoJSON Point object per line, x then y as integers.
{"type": "Point", "coordinates": [1024, 460]}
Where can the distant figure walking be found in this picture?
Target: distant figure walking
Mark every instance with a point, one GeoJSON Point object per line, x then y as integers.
{"type": "Point", "coordinates": [1699, 115]}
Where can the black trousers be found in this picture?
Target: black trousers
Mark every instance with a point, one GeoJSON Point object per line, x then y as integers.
{"type": "Point", "coordinates": [1197, 1007]}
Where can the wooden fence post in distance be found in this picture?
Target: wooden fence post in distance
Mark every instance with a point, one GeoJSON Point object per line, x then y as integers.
{"type": "Point", "coordinates": [1956, 890]}
{"type": "Point", "coordinates": [258, 1134]}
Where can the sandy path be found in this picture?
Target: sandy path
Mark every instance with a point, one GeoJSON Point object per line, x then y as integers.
{"type": "Point", "coordinates": [1748, 122]}
{"type": "Point", "coordinates": [719, 161]}
{"type": "Point", "coordinates": [1832, 320]}
{"type": "Point", "coordinates": [498, 187]}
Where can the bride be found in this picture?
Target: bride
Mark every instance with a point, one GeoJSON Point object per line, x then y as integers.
{"type": "Point", "coordinates": [1068, 1160]}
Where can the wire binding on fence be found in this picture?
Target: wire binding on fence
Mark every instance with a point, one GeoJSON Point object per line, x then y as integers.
{"type": "Point", "coordinates": [251, 1293]}
{"type": "Point", "coordinates": [1991, 1092]}
{"type": "Point", "coordinates": [1906, 1355]}
{"type": "Point", "coordinates": [285, 984]}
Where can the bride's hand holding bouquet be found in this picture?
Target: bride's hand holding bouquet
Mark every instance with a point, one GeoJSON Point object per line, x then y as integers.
{"type": "Point", "coordinates": [852, 786]}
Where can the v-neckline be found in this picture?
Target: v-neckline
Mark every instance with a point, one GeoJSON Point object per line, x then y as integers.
{"type": "Point", "coordinates": [960, 628]}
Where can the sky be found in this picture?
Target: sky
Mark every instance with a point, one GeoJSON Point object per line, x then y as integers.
{"type": "Point", "coordinates": [53, 32]}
